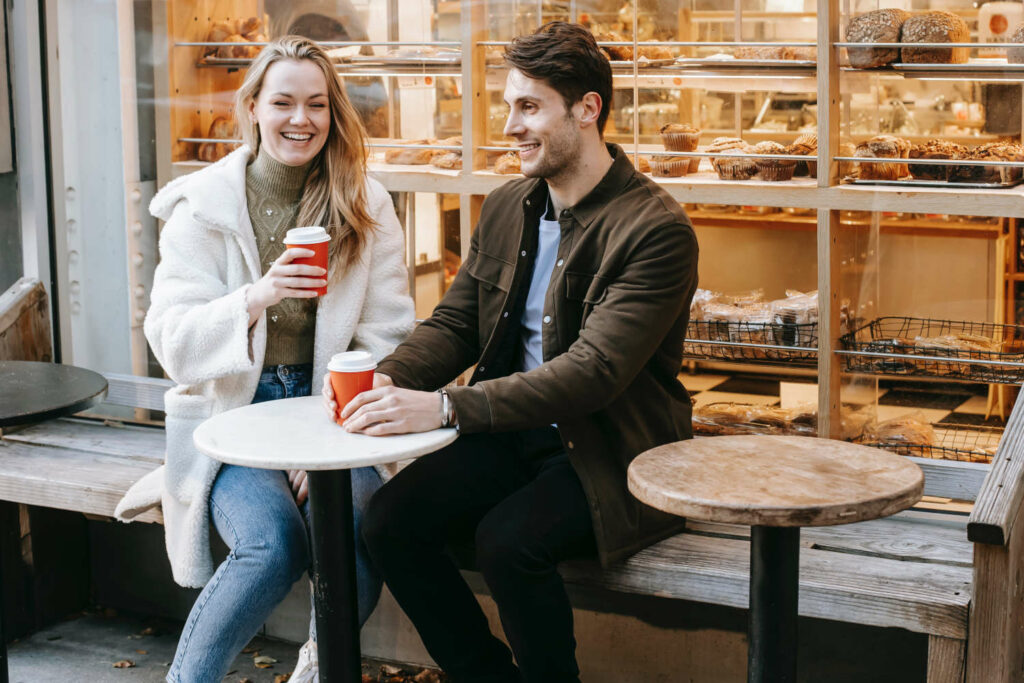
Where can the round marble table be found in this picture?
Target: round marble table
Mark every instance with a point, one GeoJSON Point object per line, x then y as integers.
{"type": "Point", "coordinates": [32, 391]}
{"type": "Point", "coordinates": [296, 434]}
{"type": "Point", "coordinates": [776, 484]}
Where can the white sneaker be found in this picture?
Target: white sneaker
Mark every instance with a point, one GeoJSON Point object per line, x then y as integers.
{"type": "Point", "coordinates": [307, 669]}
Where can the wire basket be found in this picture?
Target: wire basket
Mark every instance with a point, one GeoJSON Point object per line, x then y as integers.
{"type": "Point", "coordinates": [964, 443]}
{"type": "Point", "coordinates": [778, 336]}
{"type": "Point", "coordinates": [907, 336]}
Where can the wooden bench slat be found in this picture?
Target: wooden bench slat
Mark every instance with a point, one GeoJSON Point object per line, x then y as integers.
{"type": "Point", "coordinates": [951, 479]}
{"type": "Point", "coordinates": [921, 597]}
{"type": "Point", "coordinates": [907, 536]}
{"type": "Point", "coordinates": [146, 444]}
{"type": "Point", "coordinates": [68, 480]}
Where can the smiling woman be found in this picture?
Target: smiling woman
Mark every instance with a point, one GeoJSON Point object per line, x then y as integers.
{"type": "Point", "coordinates": [238, 317]}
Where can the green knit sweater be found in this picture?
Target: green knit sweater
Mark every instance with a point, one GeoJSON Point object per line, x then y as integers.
{"type": "Point", "coordinates": [273, 191]}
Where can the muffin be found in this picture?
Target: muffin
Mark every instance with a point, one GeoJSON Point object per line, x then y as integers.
{"type": "Point", "coordinates": [883, 147]}
{"type": "Point", "coordinates": [732, 169]}
{"type": "Point", "coordinates": [669, 167]}
{"type": "Point", "coordinates": [680, 137]}
{"type": "Point", "coordinates": [934, 149]}
{"type": "Point", "coordinates": [805, 145]}
{"type": "Point", "coordinates": [773, 169]}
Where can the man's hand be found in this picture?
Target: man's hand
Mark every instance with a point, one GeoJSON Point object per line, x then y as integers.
{"type": "Point", "coordinates": [300, 485]}
{"type": "Point", "coordinates": [328, 391]}
{"type": "Point", "coordinates": [389, 410]}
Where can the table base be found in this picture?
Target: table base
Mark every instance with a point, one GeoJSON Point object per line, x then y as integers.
{"type": "Point", "coordinates": [774, 586]}
{"type": "Point", "coordinates": [334, 576]}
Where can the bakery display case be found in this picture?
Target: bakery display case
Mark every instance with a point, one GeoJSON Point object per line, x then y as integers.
{"type": "Point", "coordinates": [815, 152]}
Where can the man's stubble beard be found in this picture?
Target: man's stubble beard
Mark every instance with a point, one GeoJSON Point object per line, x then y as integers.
{"type": "Point", "coordinates": [561, 156]}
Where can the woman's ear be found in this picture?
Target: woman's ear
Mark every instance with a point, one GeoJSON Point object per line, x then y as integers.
{"type": "Point", "coordinates": [252, 111]}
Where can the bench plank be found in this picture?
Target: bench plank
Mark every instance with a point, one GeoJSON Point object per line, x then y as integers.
{"type": "Point", "coordinates": [146, 444]}
{"type": "Point", "coordinates": [951, 479]}
{"type": "Point", "coordinates": [68, 480]}
{"type": "Point", "coordinates": [906, 536]}
{"type": "Point", "coordinates": [921, 597]}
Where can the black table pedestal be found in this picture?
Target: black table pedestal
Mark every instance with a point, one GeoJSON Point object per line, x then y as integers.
{"type": "Point", "coordinates": [774, 586]}
{"type": "Point", "coordinates": [334, 576]}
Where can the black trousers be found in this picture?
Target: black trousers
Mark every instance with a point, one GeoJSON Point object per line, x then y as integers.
{"type": "Point", "coordinates": [518, 500]}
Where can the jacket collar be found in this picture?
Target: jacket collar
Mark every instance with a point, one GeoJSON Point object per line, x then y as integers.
{"type": "Point", "coordinates": [614, 181]}
{"type": "Point", "coordinates": [215, 194]}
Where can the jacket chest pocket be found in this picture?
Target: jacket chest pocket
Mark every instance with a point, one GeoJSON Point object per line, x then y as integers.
{"type": "Point", "coordinates": [584, 291]}
{"type": "Point", "coordinates": [494, 280]}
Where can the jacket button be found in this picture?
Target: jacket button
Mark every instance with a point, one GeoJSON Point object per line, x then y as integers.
{"type": "Point", "coordinates": [481, 369]}
{"type": "Point", "coordinates": [560, 262]}
{"type": "Point", "coordinates": [528, 203]}
{"type": "Point", "coordinates": [570, 445]}
{"type": "Point", "coordinates": [273, 318]}
{"type": "Point", "coordinates": [547, 319]}
{"type": "Point", "coordinates": [522, 253]}
{"type": "Point", "coordinates": [505, 314]}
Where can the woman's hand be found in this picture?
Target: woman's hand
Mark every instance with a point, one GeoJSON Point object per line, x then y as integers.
{"type": "Point", "coordinates": [328, 392]}
{"type": "Point", "coordinates": [389, 410]}
{"type": "Point", "coordinates": [284, 279]}
{"type": "Point", "coordinates": [300, 485]}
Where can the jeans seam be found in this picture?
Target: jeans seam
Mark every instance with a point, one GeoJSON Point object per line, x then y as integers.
{"type": "Point", "coordinates": [212, 588]}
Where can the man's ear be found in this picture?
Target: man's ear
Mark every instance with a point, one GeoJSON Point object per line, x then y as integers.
{"type": "Point", "coordinates": [588, 108]}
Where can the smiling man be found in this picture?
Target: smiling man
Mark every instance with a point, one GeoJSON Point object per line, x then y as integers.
{"type": "Point", "coordinates": [572, 304]}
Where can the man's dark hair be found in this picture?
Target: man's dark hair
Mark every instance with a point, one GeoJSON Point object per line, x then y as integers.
{"type": "Point", "coordinates": [567, 58]}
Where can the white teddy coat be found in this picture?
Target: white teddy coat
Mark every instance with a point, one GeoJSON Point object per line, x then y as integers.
{"type": "Point", "coordinates": [198, 327]}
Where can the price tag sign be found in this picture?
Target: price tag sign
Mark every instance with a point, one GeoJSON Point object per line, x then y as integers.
{"type": "Point", "coordinates": [422, 82]}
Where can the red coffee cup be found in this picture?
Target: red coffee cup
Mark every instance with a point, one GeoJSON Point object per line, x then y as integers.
{"type": "Point", "coordinates": [314, 238]}
{"type": "Point", "coordinates": [351, 374]}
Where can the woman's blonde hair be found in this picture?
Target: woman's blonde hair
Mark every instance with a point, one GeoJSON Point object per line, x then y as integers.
{"type": "Point", "coordinates": [335, 192]}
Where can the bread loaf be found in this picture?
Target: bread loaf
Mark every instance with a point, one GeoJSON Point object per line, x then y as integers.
{"type": "Point", "coordinates": [879, 26]}
{"type": "Point", "coordinates": [886, 147]}
{"type": "Point", "coordinates": [448, 160]}
{"type": "Point", "coordinates": [937, 26]}
{"type": "Point", "coordinates": [993, 151]}
{"type": "Point", "coordinates": [934, 149]}
{"type": "Point", "coordinates": [410, 156]}
{"type": "Point", "coordinates": [1015, 55]}
{"type": "Point", "coordinates": [508, 163]}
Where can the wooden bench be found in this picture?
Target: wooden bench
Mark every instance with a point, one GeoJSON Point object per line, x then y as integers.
{"type": "Point", "coordinates": [932, 573]}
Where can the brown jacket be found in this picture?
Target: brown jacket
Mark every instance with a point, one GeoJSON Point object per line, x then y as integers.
{"type": "Point", "coordinates": [619, 301]}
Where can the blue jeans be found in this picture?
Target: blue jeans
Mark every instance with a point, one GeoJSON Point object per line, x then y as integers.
{"type": "Point", "coordinates": [254, 512]}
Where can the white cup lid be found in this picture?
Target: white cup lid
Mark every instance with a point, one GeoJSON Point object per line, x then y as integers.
{"type": "Point", "coordinates": [351, 361]}
{"type": "Point", "coordinates": [309, 235]}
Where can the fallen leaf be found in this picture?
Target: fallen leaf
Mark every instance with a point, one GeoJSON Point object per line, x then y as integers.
{"type": "Point", "coordinates": [281, 678]}
{"type": "Point", "coordinates": [124, 664]}
{"type": "Point", "coordinates": [264, 662]}
{"type": "Point", "coordinates": [148, 631]}
{"type": "Point", "coordinates": [250, 650]}
{"type": "Point", "coordinates": [141, 652]}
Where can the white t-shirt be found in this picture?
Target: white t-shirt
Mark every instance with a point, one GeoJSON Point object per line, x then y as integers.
{"type": "Point", "coordinates": [533, 315]}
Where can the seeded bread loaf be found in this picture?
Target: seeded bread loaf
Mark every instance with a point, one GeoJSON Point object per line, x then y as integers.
{"type": "Point", "coordinates": [879, 26]}
{"type": "Point", "coordinates": [993, 151]}
{"type": "Point", "coordinates": [937, 26]}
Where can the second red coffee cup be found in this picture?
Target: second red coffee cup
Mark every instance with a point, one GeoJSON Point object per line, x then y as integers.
{"type": "Point", "coordinates": [351, 374]}
{"type": "Point", "coordinates": [314, 238]}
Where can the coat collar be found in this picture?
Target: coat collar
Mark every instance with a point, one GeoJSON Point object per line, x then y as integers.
{"type": "Point", "coordinates": [215, 194]}
{"type": "Point", "coordinates": [614, 181]}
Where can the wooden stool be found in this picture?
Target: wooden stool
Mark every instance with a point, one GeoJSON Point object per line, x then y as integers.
{"type": "Point", "coordinates": [776, 484]}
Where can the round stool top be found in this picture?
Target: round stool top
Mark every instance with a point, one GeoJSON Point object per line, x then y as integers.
{"type": "Point", "coordinates": [775, 480]}
{"type": "Point", "coordinates": [296, 434]}
{"type": "Point", "coordinates": [32, 391]}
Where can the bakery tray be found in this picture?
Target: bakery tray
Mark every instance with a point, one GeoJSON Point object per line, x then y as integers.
{"type": "Point", "coordinates": [231, 63]}
{"type": "Point", "coordinates": [896, 335]}
{"type": "Point", "coordinates": [745, 63]}
{"type": "Point", "coordinates": [974, 66]}
{"type": "Point", "coordinates": [776, 336]}
{"type": "Point", "coordinates": [914, 182]}
{"type": "Point", "coordinates": [963, 443]}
